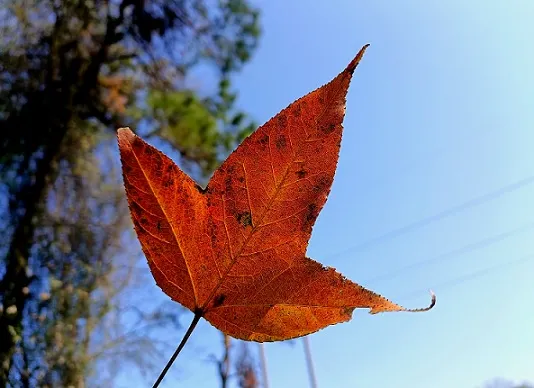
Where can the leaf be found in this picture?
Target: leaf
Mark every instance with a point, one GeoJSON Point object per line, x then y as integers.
{"type": "Point", "coordinates": [235, 252]}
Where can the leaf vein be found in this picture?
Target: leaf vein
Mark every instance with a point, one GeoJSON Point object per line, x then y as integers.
{"type": "Point", "coordinates": [170, 223]}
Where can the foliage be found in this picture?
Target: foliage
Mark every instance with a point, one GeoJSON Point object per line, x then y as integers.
{"type": "Point", "coordinates": [234, 252]}
{"type": "Point", "coordinates": [71, 72]}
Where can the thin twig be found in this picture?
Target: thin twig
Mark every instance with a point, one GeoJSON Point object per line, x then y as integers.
{"type": "Point", "coordinates": [197, 317]}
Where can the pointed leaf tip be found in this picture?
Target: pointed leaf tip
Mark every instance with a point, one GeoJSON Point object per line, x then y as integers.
{"type": "Point", "coordinates": [389, 306]}
{"type": "Point", "coordinates": [354, 63]}
{"type": "Point", "coordinates": [432, 304]}
{"type": "Point", "coordinates": [125, 134]}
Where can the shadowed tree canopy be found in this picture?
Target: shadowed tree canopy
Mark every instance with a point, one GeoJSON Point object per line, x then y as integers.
{"type": "Point", "coordinates": [71, 73]}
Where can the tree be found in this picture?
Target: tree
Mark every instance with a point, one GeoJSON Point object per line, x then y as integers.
{"type": "Point", "coordinates": [503, 383]}
{"type": "Point", "coordinates": [71, 72]}
{"type": "Point", "coordinates": [242, 367]}
{"type": "Point", "coordinates": [246, 370]}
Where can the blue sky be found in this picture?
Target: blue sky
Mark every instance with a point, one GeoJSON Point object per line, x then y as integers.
{"type": "Point", "coordinates": [434, 188]}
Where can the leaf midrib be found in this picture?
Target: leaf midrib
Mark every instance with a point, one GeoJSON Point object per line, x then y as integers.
{"type": "Point", "coordinates": [255, 227]}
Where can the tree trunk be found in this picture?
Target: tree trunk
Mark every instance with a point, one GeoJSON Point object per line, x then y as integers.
{"type": "Point", "coordinates": [16, 280]}
{"type": "Point", "coordinates": [47, 117]}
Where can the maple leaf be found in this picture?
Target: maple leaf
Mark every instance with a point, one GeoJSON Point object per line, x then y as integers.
{"type": "Point", "coordinates": [235, 252]}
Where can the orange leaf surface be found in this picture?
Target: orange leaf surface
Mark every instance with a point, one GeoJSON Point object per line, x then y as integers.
{"type": "Point", "coordinates": [235, 252]}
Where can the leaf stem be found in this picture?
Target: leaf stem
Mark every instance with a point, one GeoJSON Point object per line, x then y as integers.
{"type": "Point", "coordinates": [192, 326]}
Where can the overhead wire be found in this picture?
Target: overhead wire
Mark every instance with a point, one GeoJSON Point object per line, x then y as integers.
{"type": "Point", "coordinates": [471, 276]}
{"type": "Point", "coordinates": [438, 216]}
{"type": "Point", "coordinates": [488, 241]}
{"type": "Point", "coordinates": [456, 252]}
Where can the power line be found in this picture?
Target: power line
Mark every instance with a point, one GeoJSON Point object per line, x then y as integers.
{"type": "Point", "coordinates": [471, 276]}
{"type": "Point", "coordinates": [436, 217]}
{"type": "Point", "coordinates": [456, 252]}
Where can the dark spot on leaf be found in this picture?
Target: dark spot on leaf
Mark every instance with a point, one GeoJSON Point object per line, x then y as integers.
{"type": "Point", "coordinates": [311, 214]}
{"type": "Point", "coordinates": [328, 128]}
{"type": "Point", "coordinates": [148, 150]}
{"type": "Point", "coordinates": [143, 221]}
{"type": "Point", "coordinates": [241, 179]}
{"type": "Point", "coordinates": [321, 184]}
{"type": "Point", "coordinates": [158, 225]}
{"type": "Point", "coordinates": [158, 169]}
{"type": "Point", "coordinates": [348, 311]}
{"type": "Point", "coordinates": [264, 140]}
{"type": "Point", "coordinates": [228, 183]}
{"type": "Point", "coordinates": [169, 182]}
{"type": "Point", "coordinates": [282, 120]}
{"type": "Point", "coordinates": [301, 173]}
{"type": "Point", "coordinates": [297, 111]}
{"type": "Point", "coordinates": [134, 206]}
{"type": "Point", "coordinates": [219, 300]}
{"type": "Point", "coordinates": [244, 218]}
{"type": "Point", "coordinates": [127, 169]}
{"type": "Point", "coordinates": [321, 98]}
{"type": "Point", "coordinates": [281, 142]}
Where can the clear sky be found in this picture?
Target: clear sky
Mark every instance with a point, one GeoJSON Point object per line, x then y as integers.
{"type": "Point", "coordinates": [434, 189]}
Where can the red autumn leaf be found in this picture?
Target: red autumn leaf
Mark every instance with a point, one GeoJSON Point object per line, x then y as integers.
{"type": "Point", "coordinates": [235, 252]}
